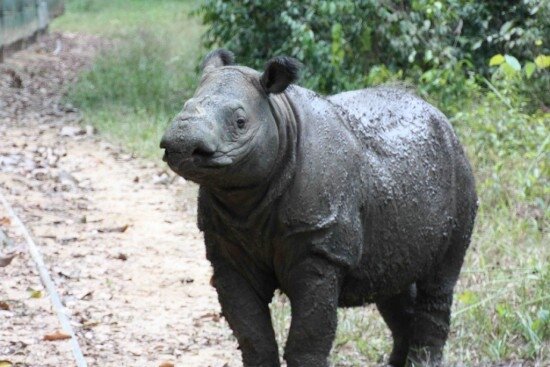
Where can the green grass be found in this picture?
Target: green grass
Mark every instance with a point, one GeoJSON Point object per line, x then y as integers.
{"type": "Point", "coordinates": [502, 301]}
{"type": "Point", "coordinates": [141, 80]}
{"type": "Point", "coordinates": [119, 17]}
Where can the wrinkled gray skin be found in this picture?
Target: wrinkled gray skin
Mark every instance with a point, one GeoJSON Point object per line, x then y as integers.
{"type": "Point", "coordinates": [364, 196]}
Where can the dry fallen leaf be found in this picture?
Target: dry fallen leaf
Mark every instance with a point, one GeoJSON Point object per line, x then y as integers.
{"type": "Point", "coordinates": [72, 131]}
{"type": "Point", "coordinates": [6, 260]}
{"type": "Point", "coordinates": [86, 294]}
{"type": "Point", "coordinates": [122, 257]}
{"type": "Point", "coordinates": [4, 306]}
{"type": "Point", "coordinates": [211, 315]}
{"type": "Point", "coordinates": [6, 364]}
{"type": "Point", "coordinates": [114, 229]}
{"type": "Point", "coordinates": [90, 324]}
{"type": "Point", "coordinates": [134, 351]}
{"type": "Point", "coordinates": [166, 364]}
{"type": "Point", "coordinates": [5, 221]}
{"type": "Point", "coordinates": [58, 335]}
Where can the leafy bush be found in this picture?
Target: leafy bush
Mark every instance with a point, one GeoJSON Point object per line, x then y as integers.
{"type": "Point", "coordinates": [341, 41]}
{"type": "Point", "coordinates": [500, 136]}
{"type": "Point", "coordinates": [530, 81]}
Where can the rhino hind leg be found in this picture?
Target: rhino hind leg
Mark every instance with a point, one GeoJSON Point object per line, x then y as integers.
{"type": "Point", "coordinates": [429, 327]}
{"type": "Point", "coordinates": [432, 310]}
{"type": "Point", "coordinates": [397, 312]}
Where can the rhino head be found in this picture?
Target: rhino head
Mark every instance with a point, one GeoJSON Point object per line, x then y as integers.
{"type": "Point", "coordinates": [227, 135]}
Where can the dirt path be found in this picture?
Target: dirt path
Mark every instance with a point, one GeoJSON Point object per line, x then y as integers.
{"type": "Point", "coordinates": [118, 235]}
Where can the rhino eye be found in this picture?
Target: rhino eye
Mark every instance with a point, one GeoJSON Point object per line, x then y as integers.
{"type": "Point", "coordinates": [240, 122]}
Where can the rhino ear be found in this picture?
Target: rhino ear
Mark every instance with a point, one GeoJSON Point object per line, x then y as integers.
{"type": "Point", "coordinates": [279, 73]}
{"type": "Point", "coordinates": [217, 58]}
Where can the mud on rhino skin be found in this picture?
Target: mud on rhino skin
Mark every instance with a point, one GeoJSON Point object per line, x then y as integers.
{"type": "Point", "coordinates": [360, 197]}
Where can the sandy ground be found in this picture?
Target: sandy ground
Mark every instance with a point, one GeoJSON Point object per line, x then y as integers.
{"type": "Point", "coordinates": [118, 234]}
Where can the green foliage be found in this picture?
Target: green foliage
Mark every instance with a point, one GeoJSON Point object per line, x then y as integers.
{"type": "Point", "coordinates": [531, 81]}
{"type": "Point", "coordinates": [509, 136]}
{"type": "Point", "coordinates": [340, 41]}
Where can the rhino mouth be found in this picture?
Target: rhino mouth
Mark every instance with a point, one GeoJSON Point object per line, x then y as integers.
{"type": "Point", "coordinates": [198, 160]}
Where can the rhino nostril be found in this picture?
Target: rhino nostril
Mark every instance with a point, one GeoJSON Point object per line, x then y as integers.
{"type": "Point", "coordinates": [201, 152]}
{"type": "Point", "coordinates": [167, 144]}
{"type": "Point", "coordinates": [170, 145]}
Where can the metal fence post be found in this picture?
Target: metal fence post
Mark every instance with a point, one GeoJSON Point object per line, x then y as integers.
{"type": "Point", "coordinates": [43, 15]}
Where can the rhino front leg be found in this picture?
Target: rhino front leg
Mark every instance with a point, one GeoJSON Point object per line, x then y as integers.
{"type": "Point", "coordinates": [248, 316]}
{"type": "Point", "coordinates": [313, 289]}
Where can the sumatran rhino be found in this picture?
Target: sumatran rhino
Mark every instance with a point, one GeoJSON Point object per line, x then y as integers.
{"type": "Point", "coordinates": [339, 201]}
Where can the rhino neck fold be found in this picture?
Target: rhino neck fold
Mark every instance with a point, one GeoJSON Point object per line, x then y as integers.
{"type": "Point", "coordinates": [243, 206]}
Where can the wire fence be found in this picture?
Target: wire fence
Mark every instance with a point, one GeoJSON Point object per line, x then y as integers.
{"type": "Point", "coordinates": [22, 20]}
